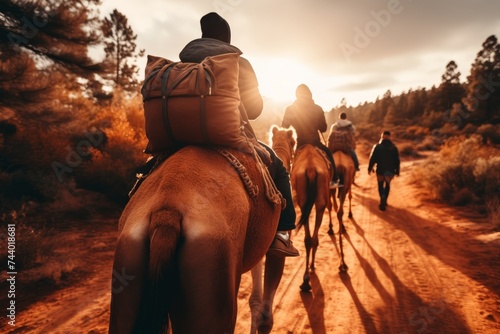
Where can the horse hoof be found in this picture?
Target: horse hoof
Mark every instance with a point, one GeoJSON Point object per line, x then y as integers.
{"type": "Point", "coordinates": [305, 287]}
{"type": "Point", "coordinates": [343, 268]}
{"type": "Point", "coordinates": [266, 325]}
{"type": "Point", "coordinates": [330, 232]}
{"type": "Point", "coordinates": [350, 214]}
{"type": "Point", "coordinates": [342, 229]}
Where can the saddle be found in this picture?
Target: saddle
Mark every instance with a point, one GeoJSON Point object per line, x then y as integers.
{"type": "Point", "coordinates": [260, 156]}
{"type": "Point", "coordinates": [320, 151]}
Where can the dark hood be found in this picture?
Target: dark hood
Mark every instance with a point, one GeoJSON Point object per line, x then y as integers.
{"type": "Point", "coordinates": [214, 26]}
{"type": "Point", "coordinates": [198, 49]}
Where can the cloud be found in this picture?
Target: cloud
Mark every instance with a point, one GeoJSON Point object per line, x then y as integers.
{"type": "Point", "coordinates": [407, 42]}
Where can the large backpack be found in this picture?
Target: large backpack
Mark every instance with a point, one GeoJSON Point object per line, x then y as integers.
{"type": "Point", "coordinates": [341, 140]}
{"type": "Point", "coordinates": [193, 103]}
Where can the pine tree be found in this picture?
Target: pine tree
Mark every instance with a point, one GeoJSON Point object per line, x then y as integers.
{"type": "Point", "coordinates": [40, 40]}
{"type": "Point", "coordinates": [483, 90]}
{"type": "Point", "coordinates": [120, 49]}
{"type": "Point", "coordinates": [450, 91]}
{"type": "Point", "coordinates": [58, 31]}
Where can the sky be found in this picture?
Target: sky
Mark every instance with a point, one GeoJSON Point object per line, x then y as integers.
{"type": "Point", "coordinates": [355, 50]}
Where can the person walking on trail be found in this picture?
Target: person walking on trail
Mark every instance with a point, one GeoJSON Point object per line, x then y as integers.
{"type": "Point", "coordinates": [344, 125]}
{"type": "Point", "coordinates": [386, 156]}
{"type": "Point", "coordinates": [308, 119]}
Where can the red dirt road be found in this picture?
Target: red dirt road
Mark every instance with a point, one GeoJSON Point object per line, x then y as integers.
{"type": "Point", "coordinates": [418, 267]}
{"type": "Point", "coordinates": [415, 268]}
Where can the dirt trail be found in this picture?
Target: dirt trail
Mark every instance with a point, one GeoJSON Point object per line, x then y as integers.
{"type": "Point", "coordinates": [418, 267]}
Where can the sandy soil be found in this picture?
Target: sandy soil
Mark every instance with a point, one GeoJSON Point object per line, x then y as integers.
{"type": "Point", "coordinates": [418, 267]}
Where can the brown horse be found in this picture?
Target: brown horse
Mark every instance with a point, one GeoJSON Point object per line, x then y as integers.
{"type": "Point", "coordinates": [261, 300]}
{"type": "Point", "coordinates": [186, 236]}
{"type": "Point", "coordinates": [311, 174]}
{"type": "Point", "coordinates": [283, 143]}
{"type": "Point", "coordinates": [346, 171]}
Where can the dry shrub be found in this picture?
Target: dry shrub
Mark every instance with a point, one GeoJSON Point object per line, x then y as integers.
{"type": "Point", "coordinates": [493, 208]}
{"type": "Point", "coordinates": [490, 133]}
{"type": "Point", "coordinates": [469, 129]}
{"type": "Point", "coordinates": [461, 197]}
{"type": "Point", "coordinates": [464, 172]}
{"type": "Point", "coordinates": [428, 144]}
{"type": "Point", "coordinates": [414, 132]}
{"type": "Point", "coordinates": [111, 168]}
{"type": "Point", "coordinates": [408, 150]}
{"type": "Point", "coordinates": [449, 130]}
{"type": "Point", "coordinates": [31, 239]}
{"type": "Point", "coordinates": [369, 132]}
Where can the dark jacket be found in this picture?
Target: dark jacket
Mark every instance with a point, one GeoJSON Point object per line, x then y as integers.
{"type": "Point", "coordinates": [386, 155]}
{"type": "Point", "coordinates": [306, 117]}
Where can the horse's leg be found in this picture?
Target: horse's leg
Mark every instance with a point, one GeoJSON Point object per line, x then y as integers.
{"type": "Point", "coordinates": [340, 212]}
{"type": "Point", "coordinates": [320, 210]}
{"type": "Point", "coordinates": [350, 199]}
{"type": "Point", "coordinates": [308, 243]}
{"type": "Point", "coordinates": [209, 275]}
{"type": "Point", "coordinates": [340, 215]}
{"type": "Point", "coordinates": [129, 270]}
{"type": "Point", "coordinates": [335, 207]}
{"type": "Point", "coordinates": [255, 300]}
{"type": "Point", "coordinates": [272, 277]}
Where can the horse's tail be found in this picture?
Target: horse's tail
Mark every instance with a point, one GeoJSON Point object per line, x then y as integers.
{"type": "Point", "coordinates": [310, 186]}
{"type": "Point", "coordinates": [341, 171]}
{"type": "Point", "coordinates": [165, 227]}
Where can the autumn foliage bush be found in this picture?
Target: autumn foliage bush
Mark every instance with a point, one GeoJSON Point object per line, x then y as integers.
{"type": "Point", "coordinates": [464, 172]}
{"type": "Point", "coordinates": [110, 168]}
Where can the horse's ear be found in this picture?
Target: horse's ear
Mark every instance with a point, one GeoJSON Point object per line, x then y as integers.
{"type": "Point", "coordinates": [290, 133]}
{"type": "Point", "coordinates": [274, 129]}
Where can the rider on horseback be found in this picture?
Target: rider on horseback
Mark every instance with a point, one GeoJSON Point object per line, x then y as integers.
{"type": "Point", "coordinates": [346, 126]}
{"type": "Point", "coordinates": [216, 38]}
{"type": "Point", "coordinates": [307, 118]}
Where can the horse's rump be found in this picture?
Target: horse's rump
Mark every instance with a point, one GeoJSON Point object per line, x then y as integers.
{"type": "Point", "coordinates": [223, 181]}
{"type": "Point", "coordinates": [200, 220]}
{"type": "Point", "coordinates": [310, 177]}
{"type": "Point", "coordinates": [345, 167]}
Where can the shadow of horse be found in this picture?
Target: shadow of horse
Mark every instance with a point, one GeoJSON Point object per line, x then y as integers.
{"type": "Point", "coordinates": [428, 315]}
{"type": "Point", "coordinates": [314, 304]}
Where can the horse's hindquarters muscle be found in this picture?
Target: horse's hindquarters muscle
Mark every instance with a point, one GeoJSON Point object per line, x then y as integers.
{"type": "Point", "coordinates": [204, 232]}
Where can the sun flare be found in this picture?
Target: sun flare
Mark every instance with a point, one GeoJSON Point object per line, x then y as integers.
{"type": "Point", "coordinates": [279, 77]}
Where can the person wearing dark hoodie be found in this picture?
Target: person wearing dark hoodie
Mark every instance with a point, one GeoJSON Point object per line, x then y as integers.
{"type": "Point", "coordinates": [308, 119]}
{"type": "Point", "coordinates": [216, 40]}
{"type": "Point", "coordinates": [386, 156]}
{"type": "Point", "coordinates": [343, 124]}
